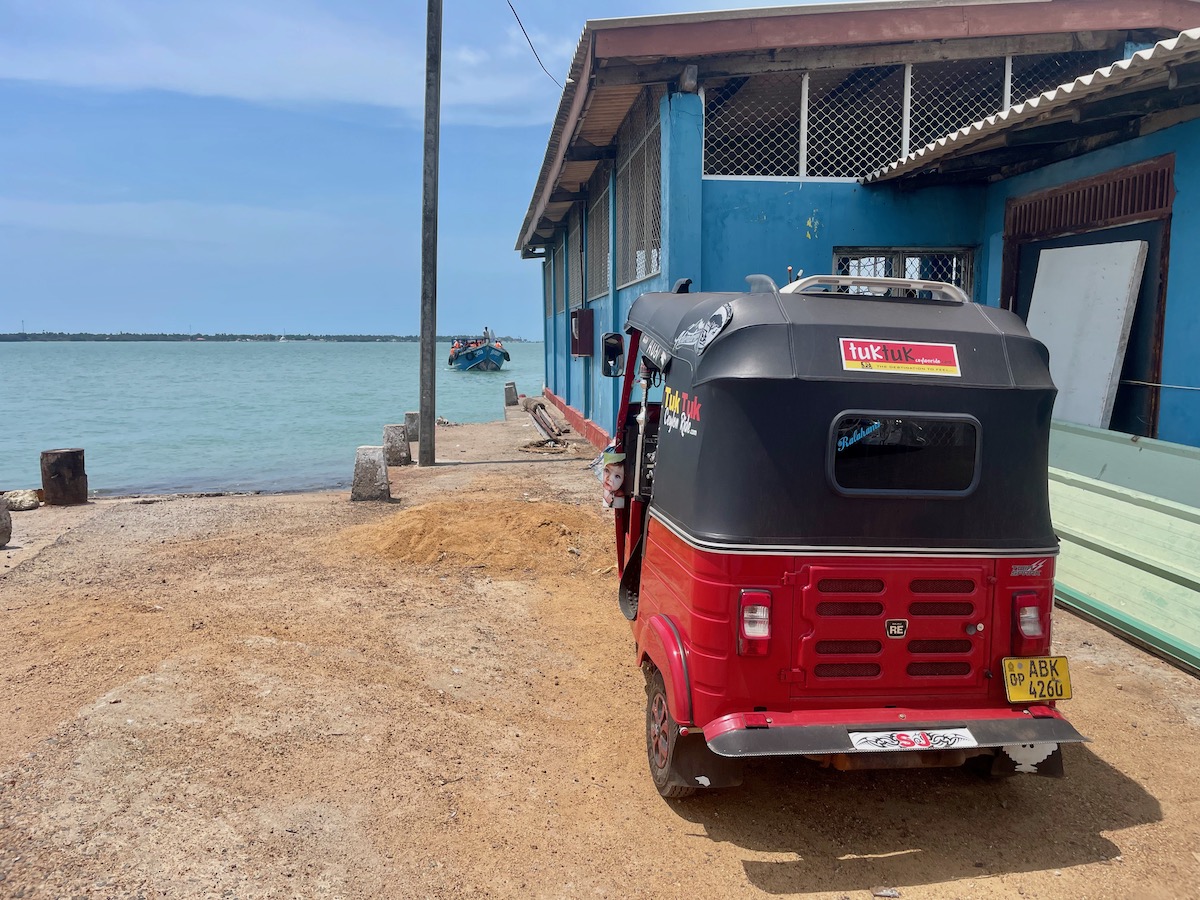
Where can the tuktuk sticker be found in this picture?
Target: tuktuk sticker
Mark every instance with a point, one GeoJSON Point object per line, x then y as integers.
{"type": "Point", "coordinates": [681, 411]}
{"type": "Point", "coordinates": [899, 356]}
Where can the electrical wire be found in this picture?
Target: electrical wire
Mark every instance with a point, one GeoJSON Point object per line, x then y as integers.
{"type": "Point", "coordinates": [531, 47]}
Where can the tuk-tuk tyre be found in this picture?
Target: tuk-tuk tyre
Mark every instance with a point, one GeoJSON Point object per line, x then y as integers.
{"type": "Point", "coordinates": [658, 714]}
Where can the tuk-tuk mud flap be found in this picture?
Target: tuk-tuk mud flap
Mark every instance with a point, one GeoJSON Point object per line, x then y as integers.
{"type": "Point", "coordinates": [823, 740]}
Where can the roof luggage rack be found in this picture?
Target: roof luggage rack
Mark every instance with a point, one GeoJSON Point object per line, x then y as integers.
{"type": "Point", "coordinates": [938, 290]}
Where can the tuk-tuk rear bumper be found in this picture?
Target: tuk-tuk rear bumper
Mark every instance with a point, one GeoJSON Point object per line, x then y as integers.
{"type": "Point", "coordinates": [825, 732]}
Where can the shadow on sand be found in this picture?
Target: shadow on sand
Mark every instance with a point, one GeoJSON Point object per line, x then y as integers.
{"type": "Point", "coordinates": [853, 831]}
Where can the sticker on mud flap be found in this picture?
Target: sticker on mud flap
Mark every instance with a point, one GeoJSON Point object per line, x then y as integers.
{"type": "Point", "coordinates": [904, 357]}
{"type": "Point", "coordinates": [681, 411]}
{"type": "Point", "coordinates": [932, 739]}
{"type": "Point", "coordinates": [1033, 570]}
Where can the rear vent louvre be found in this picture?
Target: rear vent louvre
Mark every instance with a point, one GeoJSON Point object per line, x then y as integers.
{"type": "Point", "coordinates": [941, 608]}
{"type": "Point", "coordinates": [850, 647]}
{"type": "Point", "coordinates": [940, 646]}
{"type": "Point", "coordinates": [942, 586]}
{"type": "Point", "coordinates": [850, 586]}
{"type": "Point", "coordinates": [938, 668]}
{"type": "Point", "coordinates": [846, 670]}
{"type": "Point", "coordinates": [847, 608]}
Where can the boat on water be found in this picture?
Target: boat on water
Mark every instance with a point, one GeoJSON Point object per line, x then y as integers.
{"type": "Point", "coordinates": [484, 354]}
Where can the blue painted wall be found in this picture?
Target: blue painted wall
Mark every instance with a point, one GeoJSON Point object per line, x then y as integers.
{"type": "Point", "coordinates": [1179, 412]}
{"type": "Point", "coordinates": [763, 227]}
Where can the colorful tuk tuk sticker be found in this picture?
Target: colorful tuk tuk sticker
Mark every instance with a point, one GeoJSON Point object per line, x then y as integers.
{"type": "Point", "coordinates": [908, 357]}
{"type": "Point", "coordinates": [680, 412]}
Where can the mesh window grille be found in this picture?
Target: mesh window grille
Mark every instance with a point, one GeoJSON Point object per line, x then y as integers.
{"type": "Point", "coordinates": [1033, 75]}
{"type": "Point", "coordinates": [947, 96]}
{"type": "Point", "coordinates": [951, 266]}
{"type": "Point", "coordinates": [639, 193]}
{"type": "Point", "coordinates": [598, 264]}
{"type": "Point", "coordinates": [752, 126]}
{"type": "Point", "coordinates": [575, 258]}
{"type": "Point", "coordinates": [854, 120]}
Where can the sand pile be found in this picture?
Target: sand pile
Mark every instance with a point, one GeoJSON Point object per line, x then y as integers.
{"type": "Point", "coordinates": [543, 538]}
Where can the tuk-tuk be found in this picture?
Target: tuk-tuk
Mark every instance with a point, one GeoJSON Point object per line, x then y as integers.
{"type": "Point", "coordinates": [833, 529]}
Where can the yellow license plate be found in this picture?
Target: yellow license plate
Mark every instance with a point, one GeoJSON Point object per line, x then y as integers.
{"type": "Point", "coordinates": [1036, 679]}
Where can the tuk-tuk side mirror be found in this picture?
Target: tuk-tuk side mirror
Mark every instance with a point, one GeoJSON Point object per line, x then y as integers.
{"type": "Point", "coordinates": [614, 355]}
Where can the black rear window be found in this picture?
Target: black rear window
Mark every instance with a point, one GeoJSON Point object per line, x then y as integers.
{"type": "Point", "coordinates": [905, 453]}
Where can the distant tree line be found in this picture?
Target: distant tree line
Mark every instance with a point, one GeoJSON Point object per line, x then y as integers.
{"type": "Point", "coordinates": [44, 336]}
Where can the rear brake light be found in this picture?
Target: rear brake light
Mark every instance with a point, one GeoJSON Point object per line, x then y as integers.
{"type": "Point", "coordinates": [754, 623]}
{"type": "Point", "coordinates": [1031, 623]}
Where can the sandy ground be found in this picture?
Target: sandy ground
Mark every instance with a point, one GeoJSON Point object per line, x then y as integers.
{"type": "Point", "coordinates": [297, 696]}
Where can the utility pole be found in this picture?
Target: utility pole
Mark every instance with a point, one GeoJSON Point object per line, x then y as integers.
{"type": "Point", "coordinates": [427, 451]}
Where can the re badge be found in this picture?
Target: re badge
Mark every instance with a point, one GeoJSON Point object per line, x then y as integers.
{"type": "Point", "coordinates": [896, 628]}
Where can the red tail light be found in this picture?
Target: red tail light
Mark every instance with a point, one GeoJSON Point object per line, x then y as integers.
{"type": "Point", "coordinates": [754, 623]}
{"type": "Point", "coordinates": [1031, 623]}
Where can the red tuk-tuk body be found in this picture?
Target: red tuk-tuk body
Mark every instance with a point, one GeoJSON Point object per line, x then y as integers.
{"type": "Point", "coordinates": [833, 531]}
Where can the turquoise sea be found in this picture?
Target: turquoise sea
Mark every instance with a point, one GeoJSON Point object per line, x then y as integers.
{"type": "Point", "coordinates": [209, 416]}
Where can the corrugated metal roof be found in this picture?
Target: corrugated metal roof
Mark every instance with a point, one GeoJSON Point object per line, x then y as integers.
{"type": "Point", "coordinates": [1143, 70]}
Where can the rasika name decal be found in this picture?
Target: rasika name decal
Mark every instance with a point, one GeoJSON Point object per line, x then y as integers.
{"type": "Point", "coordinates": [899, 356]}
{"type": "Point", "coordinates": [849, 440]}
{"type": "Point", "coordinates": [681, 411]}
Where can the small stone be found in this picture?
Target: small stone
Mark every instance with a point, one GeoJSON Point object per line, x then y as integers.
{"type": "Point", "coordinates": [22, 501]}
{"type": "Point", "coordinates": [5, 523]}
{"type": "Point", "coordinates": [884, 892]}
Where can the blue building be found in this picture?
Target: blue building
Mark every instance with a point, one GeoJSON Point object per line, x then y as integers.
{"type": "Point", "coordinates": [972, 143]}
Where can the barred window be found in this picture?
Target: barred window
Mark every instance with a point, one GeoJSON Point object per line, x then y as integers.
{"type": "Point", "coordinates": [556, 257]}
{"type": "Point", "coordinates": [575, 257]}
{"type": "Point", "coordinates": [952, 266]}
{"type": "Point", "coordinates": [548, 285]}
{"type": "Point", "coordinates": [847, 123]}
{"type": "Point", "coordinates": [598, 264]}
{"type": "Point", "coordinates": [639, 191]}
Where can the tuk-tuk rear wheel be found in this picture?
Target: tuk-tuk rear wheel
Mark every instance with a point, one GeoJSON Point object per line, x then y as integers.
{"type": "Point", "coordinates": [662, 735]}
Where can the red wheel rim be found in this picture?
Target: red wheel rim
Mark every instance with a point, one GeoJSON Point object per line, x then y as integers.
{"type": "Point", "coordinates": [659, 731]}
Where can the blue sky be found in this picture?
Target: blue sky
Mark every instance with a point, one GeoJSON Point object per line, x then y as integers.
{"type": "Point", "coordinates": [254, 165]}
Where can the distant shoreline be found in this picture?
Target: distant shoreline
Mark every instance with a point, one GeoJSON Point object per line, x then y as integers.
{"type": "Point", "coordinates": [60, 337]}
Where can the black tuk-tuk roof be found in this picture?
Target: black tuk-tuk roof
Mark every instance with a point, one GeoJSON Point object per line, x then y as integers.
{"type": "Point", "coordinates": [783, 335]}
{"type": "Point", "coordinates": [758, 384]}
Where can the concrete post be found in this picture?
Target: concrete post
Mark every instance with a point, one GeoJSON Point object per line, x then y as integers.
{"type": "Point", "coordinates": [5, 523]}
{"type": "Point", "coordinates": [510, 393]}
{"type": "Point", "coordinates": [370, 475]}
{"type": "Point", "coordinates": [396, 451]}
{"type": "Point", "coordinates": [412, 421]}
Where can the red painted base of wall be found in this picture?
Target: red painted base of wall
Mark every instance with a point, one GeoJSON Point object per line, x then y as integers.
{"type": "Point", "coordinates": [591, 432]}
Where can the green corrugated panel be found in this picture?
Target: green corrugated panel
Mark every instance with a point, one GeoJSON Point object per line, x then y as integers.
{"type": "Point", "coordinates": [1130, 560]}
{"type": "Point", "coordinates": [1159, 468]}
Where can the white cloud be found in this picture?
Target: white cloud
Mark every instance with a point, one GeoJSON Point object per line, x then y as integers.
{"type": "Point", "coordinates": [271, 52]}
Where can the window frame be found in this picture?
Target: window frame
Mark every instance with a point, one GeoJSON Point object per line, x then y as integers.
{"type": "Point", "coordinates": [831, 454]}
